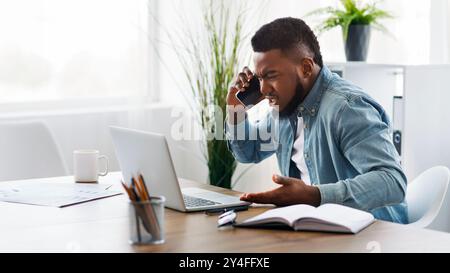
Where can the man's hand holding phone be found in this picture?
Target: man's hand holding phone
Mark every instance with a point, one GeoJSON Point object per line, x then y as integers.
{"type": "Point", "coordinates": [243, 93]}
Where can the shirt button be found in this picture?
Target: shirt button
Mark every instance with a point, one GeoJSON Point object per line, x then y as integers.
{"type": "Point", "coordinates": [302, 108]}
{"type": "Point", "coordinates": [306, 155]}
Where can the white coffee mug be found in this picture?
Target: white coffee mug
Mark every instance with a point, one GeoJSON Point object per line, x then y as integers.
{"type": "Point", "coordinates": [85, 165]}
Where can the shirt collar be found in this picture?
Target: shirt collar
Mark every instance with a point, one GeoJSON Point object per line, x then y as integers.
{"type": "Point", "coordinates": [310, 105]}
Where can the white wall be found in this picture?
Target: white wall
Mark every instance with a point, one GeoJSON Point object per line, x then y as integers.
{"type": "Point", "coordinates": [439, 32]}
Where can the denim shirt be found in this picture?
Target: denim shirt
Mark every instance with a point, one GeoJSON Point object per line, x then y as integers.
{"type": "Point", "coordinates": [347, 147]}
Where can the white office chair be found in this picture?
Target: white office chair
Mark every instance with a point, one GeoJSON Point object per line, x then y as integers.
{"type": "Point", "coordinates": [28, 150]}
{"type": "Point", "coordinates": [425, 197]}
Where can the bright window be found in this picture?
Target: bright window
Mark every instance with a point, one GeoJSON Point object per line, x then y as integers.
{"type": "Point", "coordinates": [53, 49]}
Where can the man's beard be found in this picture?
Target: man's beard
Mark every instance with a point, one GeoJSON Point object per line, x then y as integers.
{"type": "Point", "coordinates": [294, 102]}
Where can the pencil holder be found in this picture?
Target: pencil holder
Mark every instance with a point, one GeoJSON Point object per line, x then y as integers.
{"type": "Point", "coordinates": [147, 221]}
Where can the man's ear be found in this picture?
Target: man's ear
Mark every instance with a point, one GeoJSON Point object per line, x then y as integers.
{"type": "Point", "coordinates": [306, 67]}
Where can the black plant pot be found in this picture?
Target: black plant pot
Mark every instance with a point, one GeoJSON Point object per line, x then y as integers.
{"type": "Point", "coordinates": [357, 43]}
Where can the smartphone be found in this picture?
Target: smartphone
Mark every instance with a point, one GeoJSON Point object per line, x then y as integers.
{"type": "Point", "coordinates": [252, 94]}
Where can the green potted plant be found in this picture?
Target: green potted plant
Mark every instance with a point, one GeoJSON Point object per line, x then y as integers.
{"type": "Point", "coordinates": [210, 62]}
{"type": "Point", "coordinates": [356, 21]}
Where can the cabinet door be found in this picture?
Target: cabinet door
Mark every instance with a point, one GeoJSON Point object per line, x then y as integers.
{"type": "Point", "coordinates": [426, 136]}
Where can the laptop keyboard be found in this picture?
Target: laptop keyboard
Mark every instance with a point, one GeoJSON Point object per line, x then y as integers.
{"type": "Point", "coordinates": [191, 201]}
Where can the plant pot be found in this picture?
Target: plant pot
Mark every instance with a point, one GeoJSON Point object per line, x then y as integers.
{"type": "Point", "coordinates": [221, 164]}
{"type": "Point", "coordinates": [357, 43]}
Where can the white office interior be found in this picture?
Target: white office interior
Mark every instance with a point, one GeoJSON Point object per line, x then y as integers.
{"type": "Point", "coordinates": [80, 66]}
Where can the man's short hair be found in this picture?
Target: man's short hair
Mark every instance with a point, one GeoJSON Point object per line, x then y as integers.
{"type": "Point", "coordinates": [287, 34]}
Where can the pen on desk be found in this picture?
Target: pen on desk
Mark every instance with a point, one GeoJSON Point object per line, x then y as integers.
{"type": "Point", "coordinates": [223, 210]}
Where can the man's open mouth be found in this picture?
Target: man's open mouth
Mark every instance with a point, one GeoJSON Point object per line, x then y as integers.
{"type": "Point", "coordinates": [273, 100]}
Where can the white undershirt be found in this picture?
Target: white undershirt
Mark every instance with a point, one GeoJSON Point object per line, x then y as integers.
{"type": "Point", "coordinates": [297, 152]}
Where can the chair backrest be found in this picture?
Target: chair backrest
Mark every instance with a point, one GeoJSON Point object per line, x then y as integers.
{"type": "Point", "coordinates": [425, 196]}
{"type": "Point", "coordinates": [28, 150]}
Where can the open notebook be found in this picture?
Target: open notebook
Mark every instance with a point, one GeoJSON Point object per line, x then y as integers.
{"type": "Point", "coordinates": [328, 217]}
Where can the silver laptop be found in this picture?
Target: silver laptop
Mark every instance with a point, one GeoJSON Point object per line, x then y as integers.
{"type": "Point", "coordinates": [148, 154]}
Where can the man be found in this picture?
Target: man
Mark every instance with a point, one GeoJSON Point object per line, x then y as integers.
{"type": "Point", "coordinates": [333, 141]}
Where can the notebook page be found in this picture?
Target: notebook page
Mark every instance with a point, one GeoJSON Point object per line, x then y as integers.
{"type": "Point", "coordinates": [351, 218]}
{"type": "Point", "coordinates": [290, 213]}
{"type": "Point", "coordinates": [315, 225]}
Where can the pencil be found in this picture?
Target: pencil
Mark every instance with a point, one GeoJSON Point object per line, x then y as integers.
{"type": "Point", "coordinates": [141, 179]}
{"type": "Point", "coordinates": [129, 193]}
{"type": "Point", "coordinates": [134, 190]}
{"type": "Point", "coordinates": [140, 190]}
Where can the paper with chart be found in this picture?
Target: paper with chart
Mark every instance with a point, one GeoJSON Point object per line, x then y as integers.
{"type": "Point", "coordinates": [55, 194]}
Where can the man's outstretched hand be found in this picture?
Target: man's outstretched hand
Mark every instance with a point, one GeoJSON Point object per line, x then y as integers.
{"type": "Point", "coordinates": [292, 191]}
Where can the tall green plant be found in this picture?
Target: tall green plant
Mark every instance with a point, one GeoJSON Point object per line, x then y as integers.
{"type": "Point", "coordinates": [210, 68]}
{"type": "Point", "coordinates": [353, 13]}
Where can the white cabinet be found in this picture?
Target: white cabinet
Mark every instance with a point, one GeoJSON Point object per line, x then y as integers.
{"type": "Point", "coordinates": [426, 118]}
{"type": "Point", "coordinates": [423, 113]}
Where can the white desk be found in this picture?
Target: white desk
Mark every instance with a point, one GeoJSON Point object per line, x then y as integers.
{"type": "Point", "coordinates": [102, 226]}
